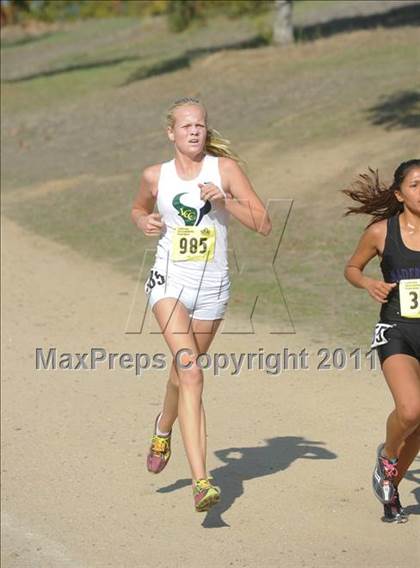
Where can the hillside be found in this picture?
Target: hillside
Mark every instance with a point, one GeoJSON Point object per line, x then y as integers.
{"type": "Point", "coordinates": [78, 127]}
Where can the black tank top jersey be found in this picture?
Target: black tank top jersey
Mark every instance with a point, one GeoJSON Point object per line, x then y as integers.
{"type": "Point", "coordinates": [398, 263]}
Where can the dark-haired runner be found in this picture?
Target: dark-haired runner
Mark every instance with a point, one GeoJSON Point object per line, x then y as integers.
{"type": "Point", "coordinates": [394, 235]}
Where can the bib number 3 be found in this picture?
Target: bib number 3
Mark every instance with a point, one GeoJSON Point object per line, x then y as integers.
{"type": "Point", "coordinates": [410, 298]}
{"type": "Point", "coordinates": [193, 243]}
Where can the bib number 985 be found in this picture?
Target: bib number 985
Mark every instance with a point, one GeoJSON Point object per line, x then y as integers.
{"type": "Point", "coordinates": [193, 243]}
{"type": "Point", "coordinates": [192, 246]}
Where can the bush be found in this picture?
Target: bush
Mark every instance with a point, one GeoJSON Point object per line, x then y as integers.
{"type": "Point", "coordinates": [181, 13]}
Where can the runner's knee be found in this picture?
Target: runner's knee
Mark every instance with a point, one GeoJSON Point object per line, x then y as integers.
{"type": "Point", "coordinates": [409, 414]}
{"type": "Point", "coordinates": [189, 372]}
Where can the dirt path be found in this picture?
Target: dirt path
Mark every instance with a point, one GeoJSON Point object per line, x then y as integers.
{"type": "Point", "coordinates": [292, 453]}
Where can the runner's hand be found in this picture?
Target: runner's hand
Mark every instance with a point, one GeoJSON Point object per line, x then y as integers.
{"type": "Point", "coordinates": [151, 225]}
{"type": "Point", "coordinates": [379, 290]}
{"type": "Point", "coordinates": [210, 192]}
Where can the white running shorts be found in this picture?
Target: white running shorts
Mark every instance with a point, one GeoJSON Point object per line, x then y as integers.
{"type": "Point", "coordinates": [207, 303]}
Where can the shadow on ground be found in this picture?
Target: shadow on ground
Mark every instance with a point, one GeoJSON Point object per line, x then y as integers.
{"type": "Point", "coordinates": [414, 475]}
{"type": "Point", "coordinates": [399, 110]}
{"type": "Point", "coordinates": [185, 60]}
{"type": "Point", "coordinates": [149, 69]}
{"type": "Point", "coordinates": [243, 464]}
{"type": "Point", "coordinates": [397, 17]}
{"type": "Point", "coordinates": [73, 67]}
{"type": "Point", "coordinates": [5, 44]}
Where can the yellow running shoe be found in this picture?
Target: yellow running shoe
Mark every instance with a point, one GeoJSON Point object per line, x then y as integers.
{"type": "Point", "coordinates": [205, 495]}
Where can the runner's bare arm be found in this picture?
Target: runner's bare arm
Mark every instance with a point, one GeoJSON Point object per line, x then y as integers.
{"type": "Point", "coordinates": [371, 243]}
{"type": "Point", "coordinates": [242, 201]}
{"type": "Point", "coordinates": [142, 211]}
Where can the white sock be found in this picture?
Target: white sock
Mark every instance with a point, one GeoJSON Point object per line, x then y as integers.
{"type": "Point", "coordinates": [159, 432]}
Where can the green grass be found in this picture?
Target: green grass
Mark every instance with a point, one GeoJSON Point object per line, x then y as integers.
{"type": "Point", "coordinates": [100, 42]}
{"type": "Point", "coordinates": [303, 7]}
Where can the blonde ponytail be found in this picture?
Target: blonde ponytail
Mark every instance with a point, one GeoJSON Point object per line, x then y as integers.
{"type": "Point", "coordinates": [219, 146]}
{"type": "Point", "coordinates": [216, 145]}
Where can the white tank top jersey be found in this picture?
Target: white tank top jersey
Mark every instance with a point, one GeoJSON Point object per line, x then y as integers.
{"type": "Point", "coordinates": [183, 211]}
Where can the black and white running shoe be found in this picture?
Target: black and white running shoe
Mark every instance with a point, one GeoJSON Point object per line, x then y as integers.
{"type": "Point", "coordinates": [394, 512]}
{"type": "Point", "coordinates": [382, 477]}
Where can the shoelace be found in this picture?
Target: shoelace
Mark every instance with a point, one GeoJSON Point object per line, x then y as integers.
{"type": "Point", "coordinates": [202, 484]}
{"type": "Point", "coordinates": [390, 468]}
{"type": "Point", "coordinates": [159, 445]}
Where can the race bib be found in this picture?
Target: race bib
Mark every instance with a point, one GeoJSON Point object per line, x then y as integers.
{"type": "Point", "coordinates": [410, 298]}
{"type": "Point", "coordinates": [155, 279]}
{"type": "Point", "coordinates": [193, 243]}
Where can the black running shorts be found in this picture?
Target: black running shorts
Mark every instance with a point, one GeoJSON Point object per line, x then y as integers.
{"type": "Point", "coordinates": [394, 338]}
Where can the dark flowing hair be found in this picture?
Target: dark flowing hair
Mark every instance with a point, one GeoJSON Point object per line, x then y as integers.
{"type": "Point", "coordinates": [376, 198]}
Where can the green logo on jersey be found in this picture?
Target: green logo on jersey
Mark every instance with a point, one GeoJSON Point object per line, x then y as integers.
{"type": "Point", "coordinates": [190, 215]}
